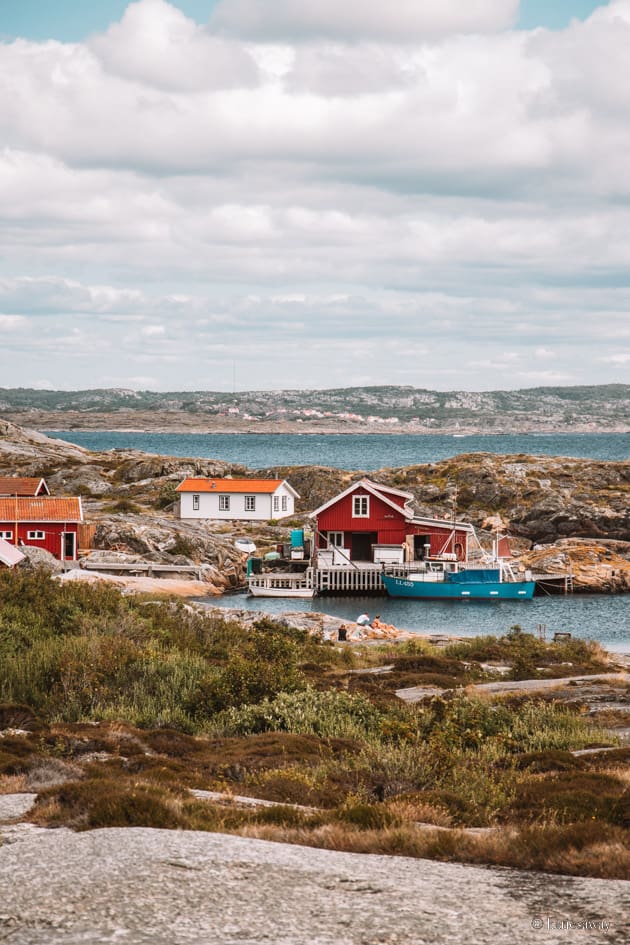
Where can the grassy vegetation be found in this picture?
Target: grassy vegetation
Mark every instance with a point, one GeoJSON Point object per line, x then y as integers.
{"type": "Point", "coordinates": [114, 707]}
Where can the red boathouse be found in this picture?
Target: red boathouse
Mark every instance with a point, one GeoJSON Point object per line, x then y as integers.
{"type": "Point", "coordinates": [44, 522]}
{"type": "Point", "coordinates": [372, 522]}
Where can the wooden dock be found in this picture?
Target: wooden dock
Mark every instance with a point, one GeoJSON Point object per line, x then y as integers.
{"type": "Point", "coordinates": [148, 568]}
{"type": "Point", "coordinates": [363, 579]}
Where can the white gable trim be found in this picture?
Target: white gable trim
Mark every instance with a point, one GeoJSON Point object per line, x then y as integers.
{"type": "Point", "coordinates": [296, 495]}
{"type": "Point", "coordinates": [374, 489]}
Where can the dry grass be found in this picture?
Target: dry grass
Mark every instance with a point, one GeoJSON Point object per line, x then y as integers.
{"type": "Point", "coordinates": [49, 772]}
{"type": "Point", "coordinates": [602, 852]}
{"type": "Point", "coordinates": [13, 783]}
{"type": "Point", "coordinates": [416, 810]}
{"type": "Point", "coordinates": [145, 783]}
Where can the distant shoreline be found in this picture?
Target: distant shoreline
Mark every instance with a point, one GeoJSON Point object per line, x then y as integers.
{"type": "Point", "coordinates": [299, 430]}
{"type": "Point", "coordinates": [178, 425]}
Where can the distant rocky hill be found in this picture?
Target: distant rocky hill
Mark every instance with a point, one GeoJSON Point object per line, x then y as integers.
{"type": "Point", "coordinates": [387, 408]}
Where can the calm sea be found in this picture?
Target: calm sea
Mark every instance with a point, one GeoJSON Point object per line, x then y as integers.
{"type": "Point", "coordinates": [352, 451]}
{"type": "Point", "coordinates": [587, 617]}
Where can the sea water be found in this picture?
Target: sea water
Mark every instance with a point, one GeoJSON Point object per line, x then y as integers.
{"type": "Point", "coordinates": [601, 617]}
{"type": "Point", "coordinates": [352, 451]}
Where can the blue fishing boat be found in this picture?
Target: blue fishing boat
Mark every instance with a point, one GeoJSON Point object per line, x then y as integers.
{"type": "Point", "coordinates": [460, 583]}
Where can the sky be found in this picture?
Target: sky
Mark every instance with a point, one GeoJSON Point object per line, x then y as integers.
{"type": "Point", "coordinates": [312, 194]}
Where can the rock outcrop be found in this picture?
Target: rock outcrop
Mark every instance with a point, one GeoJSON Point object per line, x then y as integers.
{"type": "Point", "coordinates": [596, 567]}
{"type": "Point", "coordinates": [541, 498]}
{"type": "Point", "coordinates": [166, 886]}
{"type": "Point", "coordinates": [132, 538]}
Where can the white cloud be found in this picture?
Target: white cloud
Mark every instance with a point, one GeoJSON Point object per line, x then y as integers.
{"type": "Point", "coordinates": [156, 44]}
{"type": "Point", "coordinates": [620, 358]}
{"type": "Point", "coordinates": [9, 322]}
{"type": "Point", "coordinates": [152, 331]}
{"type": "Point", "coordinates": [401, 21]}
{"type": "Point", "coordinates": [172, 198]}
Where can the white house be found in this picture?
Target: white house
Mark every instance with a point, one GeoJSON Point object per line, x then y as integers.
{"type": "Point", "coordinates": [250, 500]}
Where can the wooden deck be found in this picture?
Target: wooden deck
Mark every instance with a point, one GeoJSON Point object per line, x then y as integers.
{"type": "Point", "coordinates": [364, 579]}
{"type": "Point", "coordinates": [149, 568]}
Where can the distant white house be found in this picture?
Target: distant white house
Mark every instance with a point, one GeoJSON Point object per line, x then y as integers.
{"type": "Point", "coordinates": [249, 500]}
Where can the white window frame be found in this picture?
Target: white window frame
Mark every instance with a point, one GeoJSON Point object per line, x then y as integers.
{"type": "Point", "coordinates": [36, 535]}
{"type": "Point", "coordinates": [335, 539]}
{"type": "Point", "coordinates": [196, 499]}
{"type": "Point", "coordinates": [224, 503]}
{"type": "Point", "coordinates": [8, 536]}
{"type": "Point", "coordinates": [250, 503]}
{"type": "Point", "coordinates": [360, 506]}
{"type": "Point", "coordinates": [285, 503]}
{"type": "Point", "coordinates": [276, 503]}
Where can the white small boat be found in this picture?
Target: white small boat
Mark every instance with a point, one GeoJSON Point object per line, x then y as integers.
{"type": "Point", "coordinates": [281, 584]}
{"type": "Point", "coordinates": [304, 593]}
{"type": "Point", "coordinates": [245, 545]}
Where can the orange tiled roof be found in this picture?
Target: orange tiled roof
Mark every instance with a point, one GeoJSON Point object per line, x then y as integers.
{"type": "Point", "coordinates": [230, 485]}
{"type": "Point", "coordinates": [41, 509]}
{"type": "Point", "coordinates": [19, 485]}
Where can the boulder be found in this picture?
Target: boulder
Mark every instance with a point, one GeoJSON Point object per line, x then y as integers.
{"type": "Point", "coordinates": [39, 559]}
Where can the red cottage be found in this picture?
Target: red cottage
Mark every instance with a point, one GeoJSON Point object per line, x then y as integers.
{"type": "Point", "coordinates": [372, 522]}
{"type": "Point", "coordinates": [22, 486]}
{"type": "Point", "coordinates": [43, 522]}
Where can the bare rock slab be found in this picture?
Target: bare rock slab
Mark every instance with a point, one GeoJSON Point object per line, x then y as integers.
{"type": "Point", "coordinates": [142, 886]}
{"type": "Point", "coordinates": [14, 806]}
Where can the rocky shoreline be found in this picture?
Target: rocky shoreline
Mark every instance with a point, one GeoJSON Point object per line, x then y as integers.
{"type": "Point", "coordinates": [567, 515]}
{"type": "Point", "coordinates": [134, 421]}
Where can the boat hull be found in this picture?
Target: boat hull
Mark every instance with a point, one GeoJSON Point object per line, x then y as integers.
{"type": "Point", "coordinates": [471, 590]}
{"type": "Point", "coordinates": [304, 593]}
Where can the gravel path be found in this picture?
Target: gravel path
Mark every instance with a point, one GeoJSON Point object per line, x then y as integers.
{"type": "Point", "coordinates": [155, 887]}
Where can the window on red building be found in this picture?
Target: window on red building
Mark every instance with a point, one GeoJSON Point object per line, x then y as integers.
{"type": "Point", "coordinates": [361, 506]}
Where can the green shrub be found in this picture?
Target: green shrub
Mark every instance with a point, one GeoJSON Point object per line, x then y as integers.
{"type": "Point", "coordinates": [128, 506]}
{"type": "Point", "coordinates": [328, 714]}
{"type": "Point", "coordinates": [367, 816]}
{"type": "Point", "coordinates": [266, 663]}
{"type": "Point", "coordinates": [168, 496]}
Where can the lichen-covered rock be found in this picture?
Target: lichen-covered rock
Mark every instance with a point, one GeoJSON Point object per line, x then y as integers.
{"type": "Point", "coordinates": [594, 566]}
{"type": "Point", "coordinates": [539, 498]}
{"type": "Point", "coordinates": [83, 480]}
{"type": "Point", "coordinates": [39, 559]}
{"type": "Point", "coordinates": [128, 538]}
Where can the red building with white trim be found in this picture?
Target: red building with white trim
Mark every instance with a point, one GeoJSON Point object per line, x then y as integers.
{"type": "Point", "coordinates": [44, 522]}
{"type": "Point", "coordinates": [369, 522]}
{"type": "Point", "coordinates": [23, 486]}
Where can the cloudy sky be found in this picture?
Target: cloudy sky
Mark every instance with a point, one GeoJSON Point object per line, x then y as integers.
{"type": "Point", "coordinates": [314, 193]}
